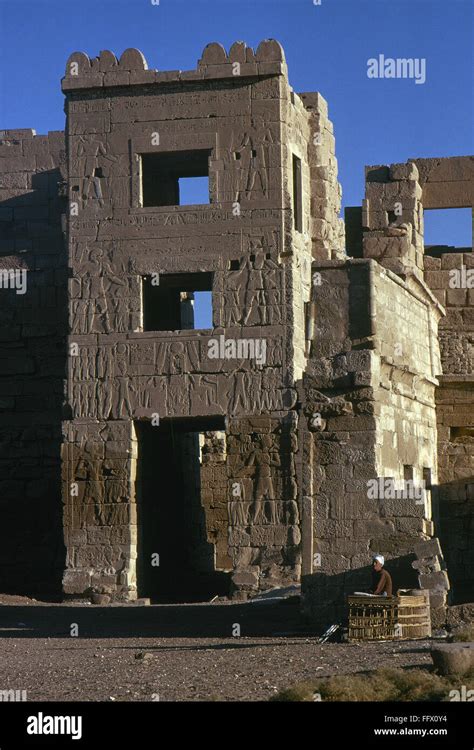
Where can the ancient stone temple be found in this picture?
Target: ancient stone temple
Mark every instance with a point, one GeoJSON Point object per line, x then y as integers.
{"type": "Point", "coordinates": [148, 456]}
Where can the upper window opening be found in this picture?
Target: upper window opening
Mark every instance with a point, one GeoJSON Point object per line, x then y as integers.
{"type": "Point", "coordinates": [177, 302]}
{"type": "Point", "coordinates": [447, 228]}
{"type": "Point", "coordinates": [176, 178]}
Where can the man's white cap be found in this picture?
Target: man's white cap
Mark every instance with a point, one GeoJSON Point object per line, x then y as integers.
{"type": "Point", "coordinates": [379, 558]}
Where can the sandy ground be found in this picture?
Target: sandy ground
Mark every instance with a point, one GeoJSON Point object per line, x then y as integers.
{"type": "Point", "coordinates": [173, 653]}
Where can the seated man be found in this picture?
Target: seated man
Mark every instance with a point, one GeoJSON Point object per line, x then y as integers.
{"type": "Point", "coordinates": [381, 578]}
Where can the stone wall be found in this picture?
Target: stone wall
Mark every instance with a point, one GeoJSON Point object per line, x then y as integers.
{"type": "Point", "coordinates": [449, 183]}
{"type": "Point", "coordinates": [264, 516]}
{"type": "Point", "coordinates": [33, 326]}
{"type": "Point", "coordinates": [448, 277]}
{"type": "Point", "coordinates": [318, 375]}
{"type": "Point", "coordinates": [369, 402]}
{"type": "Point", "coordinates": [392, 217]}
{"type": "Point", "coordinates": [214, 494]}
{"type": "Point", "coordinates": [246, 239]}
{"type": "Point", "coordinates": [455, 409]}
{"type": "Point", "coordinates": [415, 367]}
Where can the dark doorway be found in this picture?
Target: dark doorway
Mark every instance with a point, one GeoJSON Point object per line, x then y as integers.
{"type": "Point", "coordinates": [176, 562]}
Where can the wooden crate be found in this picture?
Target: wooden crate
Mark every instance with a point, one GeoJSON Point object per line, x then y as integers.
{"type": "Point", "coordinates": [413, 615]}
{"type": "Point", "coordinates": [401, 617]}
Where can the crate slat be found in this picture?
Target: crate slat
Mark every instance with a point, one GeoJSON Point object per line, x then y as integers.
{"type": "Point", "coordinates": [401, 617]}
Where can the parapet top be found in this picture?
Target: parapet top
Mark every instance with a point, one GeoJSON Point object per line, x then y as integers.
{"type": "Point", "coordinates": [83, 72]}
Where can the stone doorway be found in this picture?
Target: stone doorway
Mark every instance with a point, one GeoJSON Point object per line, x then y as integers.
{"type": "Point", "coordinates": [176, 553]}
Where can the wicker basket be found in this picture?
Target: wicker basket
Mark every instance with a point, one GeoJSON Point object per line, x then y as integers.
{"type": "Point", "coordinates": [401, 617]}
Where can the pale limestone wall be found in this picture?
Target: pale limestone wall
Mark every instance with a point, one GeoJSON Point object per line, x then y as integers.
{"type": "Point", "coordinates": [296, 134]}
{"type": "Point", "coordinates": [409, 363]}
{"type": "Point", "coordinates": [376, 413]}
{"type": "Point", "coordinates": [457, 329]}
{"type": "Point", "coordinates": [308, 134]}
{"type": "Point", "coordinates": [392, 216]}
{"type": "Point", "coordinates": [327, 229]}
{"type": "Point", "coordinates": [447, 182]}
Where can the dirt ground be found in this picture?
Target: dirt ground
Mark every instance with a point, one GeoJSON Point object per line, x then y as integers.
{"type": "Point", "coordinates": [173, 653]}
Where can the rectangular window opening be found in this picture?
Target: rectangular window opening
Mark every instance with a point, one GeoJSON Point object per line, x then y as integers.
{"type": "Point", "coordinates": [175, 178]}
{"type": "Point", "coordinates": [174, 302]}
{"type": "Point", "coordinates": [447, 230]}
{"type": "Point", "coordinates": [297, 194]}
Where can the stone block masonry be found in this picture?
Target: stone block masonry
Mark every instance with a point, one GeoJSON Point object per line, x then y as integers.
{"type": "Point", "coordinates": [33, 329]}
{"type": "Point", "coordinates": [236, 457]}
{"type": "Point", "coordinates": [235, 121]}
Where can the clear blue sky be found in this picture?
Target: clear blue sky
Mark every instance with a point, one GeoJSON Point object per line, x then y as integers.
{"type": "Point", "coordinates": [327, 48]}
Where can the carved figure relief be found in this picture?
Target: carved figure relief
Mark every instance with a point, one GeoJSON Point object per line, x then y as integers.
{"type": "Point", "coordinates": [177, 396]}
{"type": "Point", "coordinates": [263, 457]}
{"type": "Point", "coordinates": [101, 309]}
{"type": "Point", "coordinates": [252, 164]}
{"type": "Point", "coordinates": [239, 513]}
{"type": "Point", "coordinates": [92, 157]}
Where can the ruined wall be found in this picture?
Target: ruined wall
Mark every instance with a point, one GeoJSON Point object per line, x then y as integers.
{"type": "Point", "coordinates": [446, 182]}
{"type": "Point", "coordinates": [369, 401]}
{"type": "Point", "coordinates": [246, 238]}
{"type": "Point", "coordinates": [448, 278]}
{"type": "Point", "coordinates": [326, 227]}
{"type": "Point", "coordinates": [307, 133]}
{"type": "Point", "coordinates": [392, 217]}
{"type": "Point", "coordinates": [264, 517]}
{"type": "Point", "coordinates": [449, 183]}
{"type": "Point", "coordinates": [340, 386]}
{"type": "Point", "coordinates": [455, 494]}
{"type": "Point", "coordinates": [214, 495]}
{"type": "Point", "coordinates": [406, 318]}
{"type": "Point", "coordinates": [33, 326]}
{"type": "Point", "coordinates": [338, 401]}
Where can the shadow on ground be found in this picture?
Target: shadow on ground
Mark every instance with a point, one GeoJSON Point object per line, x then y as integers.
{"type": "Point", "coordinates": [157, 621]}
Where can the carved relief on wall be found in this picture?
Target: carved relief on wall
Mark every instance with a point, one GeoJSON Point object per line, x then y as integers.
{"type": "Point", "coordinates": [247, 394]}
{"type": "Point", "coordinates": [177, 357]}
{"type": "Point", "coordinates": [253, 293]}
{"type": "Point", "coordinates": [255, 465]}
{"type": "Point", "coordinates": [105, 304]}
{"type": "Point", "coordinates": [246, 164]}
{"type": "Point", "coordinates": [99, 176]}
{"type": "Point", "coordinates": [263, 457]}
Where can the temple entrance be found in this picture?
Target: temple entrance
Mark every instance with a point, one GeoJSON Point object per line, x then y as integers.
{"type": "Point", "coordinates": [176, 561]}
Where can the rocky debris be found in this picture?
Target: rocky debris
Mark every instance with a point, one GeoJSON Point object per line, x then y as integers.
{"type": "Point", "coordinates": [432, 575]}
{"type": "Point", "coordinates": [453, 658]}
{"type": "Point", "coordinates": [100, 599]}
